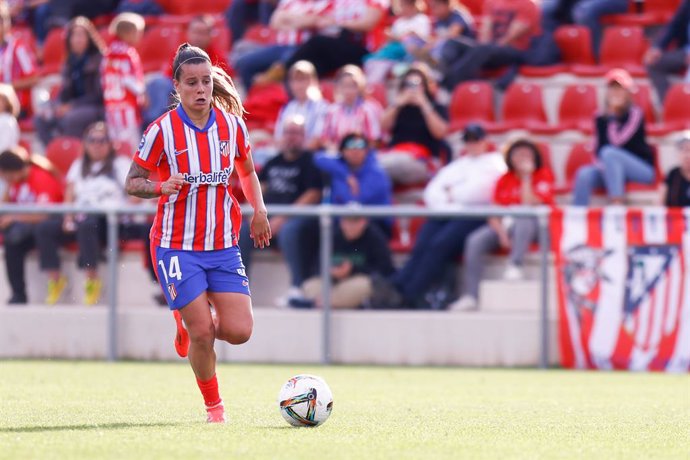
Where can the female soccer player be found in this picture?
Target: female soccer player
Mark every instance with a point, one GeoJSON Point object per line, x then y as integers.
{"type": "Point", "coordinates": [194, 148]}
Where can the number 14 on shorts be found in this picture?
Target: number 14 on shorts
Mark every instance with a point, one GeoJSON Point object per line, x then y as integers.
{"type": "Point", "coordinates": [173, 272]}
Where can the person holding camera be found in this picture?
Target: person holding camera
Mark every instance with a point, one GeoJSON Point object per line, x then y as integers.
{"type": "Point", "coordinates": [417, 126]}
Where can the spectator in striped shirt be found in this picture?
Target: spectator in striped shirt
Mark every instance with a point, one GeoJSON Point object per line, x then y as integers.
{"type": "Point", "coordinates": [17, 62]}
{"type": "Point", "coordinates": [352, 112]}
{"type": "Point", "coordinates": [307, 102]}
{"type": "Point", "coordinates": [293, 21]}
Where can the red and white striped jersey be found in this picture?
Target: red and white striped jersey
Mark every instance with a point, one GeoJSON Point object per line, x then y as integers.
{"type": "Point", "coordinates": [204, 215]}
{"type": "Point", "coordinates": [122, 76]}
{"type": "Point", "coordinates": [364, 117]}
{"type": "Point", "coordinates": [299, 8]}
{"type": "Point", "coordinates": [17, 61]}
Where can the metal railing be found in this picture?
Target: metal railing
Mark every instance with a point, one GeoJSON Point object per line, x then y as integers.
{"type": "Point", "coordinates": [326, 215]}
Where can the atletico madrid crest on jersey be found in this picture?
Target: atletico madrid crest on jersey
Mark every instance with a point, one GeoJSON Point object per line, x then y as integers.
{"type": "Point", "coordinates": [623, 288]}
{"type": "Point", "coordinates": [172, 291]}
{"type": "Point", "coordinates": [225, 148]}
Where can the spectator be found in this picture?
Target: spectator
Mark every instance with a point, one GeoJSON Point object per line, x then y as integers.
{"type": "Point", "coordinates": [294, 21]}
{"type": "Point", "coordinates": [96, 179]}
{"type": "Point", "coordinates": [466, 181]}
{"type": "Point", "coordinates": [352, 111]}
{"type": "Point", "coordinates": [80, 101]}
{"type": "Point", "coordinates": [243, 13]}
{"type": "Point", "coordinates": [31, 180]}
{"type": "Point", "coordinates": [360, 254]}
{"type": "Point", "coordinates": [9, 110]}
{"type": "Point", "coordinates": [17, 63]}
{"type": "Point", "coordinates": [409, 32]}
{"type": "Point", "coordinates": [356, 176]}
{"type": "Point", "coordinates": [122, 78]}
{"type": "Point", "coordinates": [676, 188]}
{"type": "Point", "coordinates": [342, 37]}
{"type": "Point", "coordinates": [589, 13]}
{"type": "Point", "coordinates": [34, 13]}
{"type": "Point", "coordinates": [290, 178]}
{"type": "Point", "coordinates": [307, 102]}
{"type": "Point", "coordinates": [159, 89]}
{"type": "Point", "coordinates": [623, 154]}
{"type": "Point", "coordinates": [506, 35]}
{"type": "Point", "coordinates": [663, 60]}
{"type": "Point", "coordinates": [526, 183]}
{"type": "Point", "coordinates": [450, 21]}
{"type": "Point", "coordinates": [418, 126]}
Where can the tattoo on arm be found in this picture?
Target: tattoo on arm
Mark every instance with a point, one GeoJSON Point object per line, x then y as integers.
{"type": "Point", "coordinates": [138, 183]}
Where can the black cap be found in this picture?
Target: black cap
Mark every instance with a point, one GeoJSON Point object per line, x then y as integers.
{"type": "Point", "coordinates": [473, 132]}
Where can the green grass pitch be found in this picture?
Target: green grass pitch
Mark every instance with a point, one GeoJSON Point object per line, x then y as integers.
{"type": "Point", "coordinates": [90, 410]}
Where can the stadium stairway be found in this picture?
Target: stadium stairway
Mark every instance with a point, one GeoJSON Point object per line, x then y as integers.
{"type": "Point", "coordinates": [504, 332]}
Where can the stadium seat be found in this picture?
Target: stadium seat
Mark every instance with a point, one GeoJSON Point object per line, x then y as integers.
{"type": "Point", "coordinates": [263, 103]}
{"type": "Point", "coordinates": [53, 52]}
{"type": "Point", "coordinates": [580, 154]}
{"type": "Point", "coordinates": [158, 47]}
{"type": "Point", "coordinates": [621, 47]}
{"type": "Point", "coordinates": [379, 92]}
{"type": "Point", "coordinates": [405, 230]}
{"type": "Point", "coordinates": [186, 7]}
{"type": "Point", "coordinates": [575, 44]}
{"type": "Point", "coordinates": [642, 96]}
{"type": "Point", "coordinates": [576, 110]}
{"type": "Point", "coordinates": [476, 7]}
{"type": "Point", "coordinates": [262, 35]}
{"type": "Point", "coordinates": [676, 111]}
{"type": "Point", "coordinates": [327, 89]}
{"type": "Point", "coordinates": [523, 107]}
{"type": "Point", "coordinates": [471, 101]}
{"type": "Point", "coordinates": [62, 151]}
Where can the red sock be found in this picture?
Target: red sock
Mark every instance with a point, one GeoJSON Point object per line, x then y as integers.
{"type": "Point", "coordinates": [209, 390]}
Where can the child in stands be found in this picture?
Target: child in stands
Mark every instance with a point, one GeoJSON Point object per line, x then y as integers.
{"type": "Point", "coordinates": [123, 82]}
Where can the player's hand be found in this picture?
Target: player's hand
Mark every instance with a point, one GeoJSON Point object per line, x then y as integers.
{"type": "Point", "coordinates": [173, 185]}
{"type": "Point", "coordinates": [260, 229]}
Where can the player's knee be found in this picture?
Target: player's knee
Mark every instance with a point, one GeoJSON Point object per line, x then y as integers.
{"type": "Point", "coordinates": [202, 336]}
{"type": "Point", "coordinates": [237, 334]}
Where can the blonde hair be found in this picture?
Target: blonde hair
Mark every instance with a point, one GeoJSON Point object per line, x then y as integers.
{"type": "Point", "coordinates": [225, 96]}
{"type": "Point", "coordinates": [356, 73]}
{"type": "Point", "coordinates": [307, 69]}
{"type": "Point", "coordinates": [8, 95]}
{"type": "Point", "coordinates": [124, 23]}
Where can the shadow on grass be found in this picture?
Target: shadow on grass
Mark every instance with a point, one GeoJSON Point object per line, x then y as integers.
{"type": "Point", "coordinates": [85, 427]}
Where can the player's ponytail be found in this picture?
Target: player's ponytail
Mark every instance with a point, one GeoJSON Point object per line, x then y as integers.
{"type": "Point", "coordinates": [225, 96]}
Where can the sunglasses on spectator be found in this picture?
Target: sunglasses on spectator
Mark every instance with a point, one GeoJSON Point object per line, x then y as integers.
{"type": "Point", "coordinates": [355, 144]}
{"type": "Point", "coordinates": [97, 140]}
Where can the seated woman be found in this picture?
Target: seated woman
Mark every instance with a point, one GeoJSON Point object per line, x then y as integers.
{"type": "Point", "coordinates": [526, 183]}
{"type": "Point", "coordinates": [353, 111]}
{"type": "Point", "coordinates": [417, 125]}
{"type": "Point", "coordinates": [467, 181]}
{"type": "Point", "coordinates": [675, 191]}
{"type": "Point", "coordinates": [80, 101]}
{"type": "Point", "coordinates": [95, 179]}
{"type": "Point", "coordinates": [307, 102]}
{"type": "Point", "coordinates": [356, 176]}
{"type": "Point", "coordinates": [623, 154]}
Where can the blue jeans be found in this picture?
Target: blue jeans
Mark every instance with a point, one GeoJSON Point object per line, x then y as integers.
{"type": "Point", "coordinates": [439, 242]}
{"type": "Point", "coordinates": [589, 12]}
{"type": "Point", "coordinates": [159, 90]}
{"type": "Point", "coordinates": [260, 60]}
{"type": "Point", "coordinates": [298, 240]}
{"type": "Point", "coordinates": [615, 167]}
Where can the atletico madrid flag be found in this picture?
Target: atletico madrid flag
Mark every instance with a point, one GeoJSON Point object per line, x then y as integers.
{"type": "Point", "coordinates": [623, 288]}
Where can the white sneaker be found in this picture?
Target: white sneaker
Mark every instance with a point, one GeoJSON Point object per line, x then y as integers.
{"type": "Point", "coordinates": [513, 273]}
{"type": "Point", "coordinates": [464, 303]}
{"type": "Point", "coordinates": [292, 293]}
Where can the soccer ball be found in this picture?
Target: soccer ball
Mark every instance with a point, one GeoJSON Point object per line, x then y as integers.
{"type": "Point", "coordinates": [305, 400]}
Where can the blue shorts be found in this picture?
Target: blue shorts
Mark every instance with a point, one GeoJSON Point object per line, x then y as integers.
{"type": "Point", "coordinates": [184, 275]}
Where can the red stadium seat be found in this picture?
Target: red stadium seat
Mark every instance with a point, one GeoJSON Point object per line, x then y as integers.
{"type": "Point", "coordinates": [53, 52]}
{"type": "Point", "coordinates": [379, 92]}
{"type": "Point", "coordinates": [575, 43]}
{"type": "Point", "coordinates": [576, 110]}
{"type": "Point", "coordinates": [476, 7]}
{"type": "Point", "coordinates": [676, 111]}
{"type": "Point", "coordinates": [260, 34]}
{"type": "Point", "coordinates": [642, 96]}
{"type": "Point", "coordinates": [620, 47]}
{"type": "Point", "coordinates": [158, 47]}
{"type": "Point", "coordinates": [62, 151]}
{"type": "Point", "coordinates": [405, 230]}
{"type": "Point", "coordinates": [581, 154]}
{"type": "Point", "coordinates": [187, 7]}
{"type": "Point", "coordinates": [327, 89]}
{"type": "Point", "coordinates": [471, 101]}
{"type": "Point", "coordinates": [523, 107]}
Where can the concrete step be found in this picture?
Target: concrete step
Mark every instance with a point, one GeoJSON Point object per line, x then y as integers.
{"type": "Point", "coordinates": [514, 296]}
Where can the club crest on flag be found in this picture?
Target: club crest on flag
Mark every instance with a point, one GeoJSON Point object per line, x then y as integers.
{"type": "Point", "coordinates": [224, 147]}
{"type": "Point", "coordinates": [172, 291]}
{"type": "Point", "coordinates": [646, 267]}
{"type": "Point", "coordinates": [582, 273]}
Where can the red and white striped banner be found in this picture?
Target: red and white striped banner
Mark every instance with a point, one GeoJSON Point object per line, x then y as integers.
{"type": "Point", "coordinates": [623, 288]}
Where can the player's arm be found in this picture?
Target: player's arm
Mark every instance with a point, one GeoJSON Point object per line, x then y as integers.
{"type": "Point", "coordinates": [260, 229]}
{"type": "Point", "coordinates": [139, 185]}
